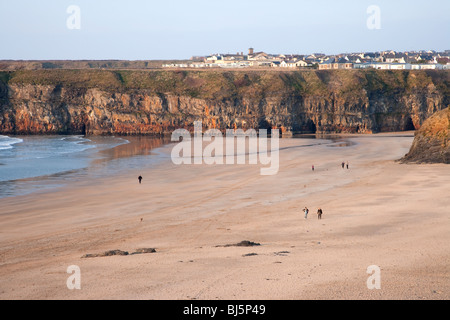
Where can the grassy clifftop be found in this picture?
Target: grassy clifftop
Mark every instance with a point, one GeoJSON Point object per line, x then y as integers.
{"type": "Point", "coordinates": [220, 84]}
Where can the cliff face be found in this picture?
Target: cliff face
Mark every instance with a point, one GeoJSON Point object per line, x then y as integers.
{"type": "Point", "coordinates": [432, 142]}
{"type": "Point", "coordinates": [156, 102]}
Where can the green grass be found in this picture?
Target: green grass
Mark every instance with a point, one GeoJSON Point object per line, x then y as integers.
{"type": "Point", "coordinates": [5, 76]}
{"type": "Point", "coordinates": [226, 84]}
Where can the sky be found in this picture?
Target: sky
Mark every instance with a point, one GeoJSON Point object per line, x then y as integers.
{"type": "Point", "coordinates": [175, 29]}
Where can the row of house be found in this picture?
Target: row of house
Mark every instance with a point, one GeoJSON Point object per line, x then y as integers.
{"type": "Point", "coordinates": [389, 60]}
{"type": "Point", "coordinates": [385, 60]}
{"type": "Point", "coordinates": [258, 59]}
{"type": "Point", "coordinates": [345, 64]}
{"type": "Point", "coordinates": [401, 66]}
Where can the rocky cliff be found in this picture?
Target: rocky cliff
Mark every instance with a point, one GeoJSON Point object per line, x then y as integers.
{"type": "Point", "coordinates": [157, 102]}
{"type": "Point", "coordinates": [432, 141]}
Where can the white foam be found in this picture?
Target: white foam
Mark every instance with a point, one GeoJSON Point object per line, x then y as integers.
{"type": "Point", "coordinates": [8, 142]}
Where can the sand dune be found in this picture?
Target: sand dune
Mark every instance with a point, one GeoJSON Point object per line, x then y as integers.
{"type": "Point", "coordinates": [378, 212]}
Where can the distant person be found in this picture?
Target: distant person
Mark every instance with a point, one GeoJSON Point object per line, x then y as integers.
{"type": "Point", "coordinates": [313, 168]}
{"type": "Point", "coordinates": [319, 213]}
{"type": "Point", "coordinates": [140, 179]}
{"type": "Point", "coordinates": [343, 165]}
{"type": "Point", "coordinates": [306, 211]}
{"type": "Point", "coordinates": [347, 164]}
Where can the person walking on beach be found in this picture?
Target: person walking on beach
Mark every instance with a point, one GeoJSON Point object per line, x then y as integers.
{"type": "Point", "coordinates": [306, 211]}
{"type": "Point", "coordinates": [313, 168]}
{"type": "Point", "coordinates": [140, 179]}
{"type": "Point", "coordinates": [343, 164]}
{"type": "Point", "coordinates": [347, 164]}
{"type": "Point", "coordinates": [319, 213]}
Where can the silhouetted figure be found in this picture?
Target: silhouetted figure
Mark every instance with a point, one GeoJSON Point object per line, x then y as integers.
{"type": "Point", "coordinates": [343, 165]}
{"type": "Point", "coordinates": [347, 164]}
{"type": "Point", "coordinates": [313, 168]}
{"type": "Point", "coordinates": [306, 211]}
{"type": "Point", "coordinates": [319, 214]}
{"type": "Point", "coordinates": [140, 179]}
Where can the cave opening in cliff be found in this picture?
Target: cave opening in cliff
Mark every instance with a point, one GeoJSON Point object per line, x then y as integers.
{"type": "Point", "coordinates": [264, 124]}
{"type": "Point", "coordinates": [311, 126]}
{"type": "Point", "coordinates": [409, 125]}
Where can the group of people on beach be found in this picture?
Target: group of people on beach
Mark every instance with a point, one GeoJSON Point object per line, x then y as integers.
{"type": "Point", "coordinates": [343, 164]}
{"type": "Point", "coordinates": [305, 210]}
{"type": "Point", "coordinates": [319, 210]}
{"type": "Point", "coordinates": [319, 213]}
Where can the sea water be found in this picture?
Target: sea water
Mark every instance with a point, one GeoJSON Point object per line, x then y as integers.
{"type": "Point", "coordinates": [32, 163]}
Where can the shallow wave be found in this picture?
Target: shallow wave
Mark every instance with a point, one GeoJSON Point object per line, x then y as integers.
{"type": "Point", "coordinates": [41, 156]}
{"type": "Point", "coordinates": [42, 162]}
{"type": "Point", "coordinates": [123, 139]}
{"type": "Point", "coordinates": [8, 142]}
{"type": "Point", "coordinates": [77, 138]}
{"type": "Point", "coordinates": [79, 143]}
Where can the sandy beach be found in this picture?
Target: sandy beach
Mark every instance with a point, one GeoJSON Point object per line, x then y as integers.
{"type": "Point", "coordinates": [377, 212]}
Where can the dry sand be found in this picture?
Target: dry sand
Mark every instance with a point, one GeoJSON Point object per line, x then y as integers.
{"type": "Point", "coordinates": [378, 212]}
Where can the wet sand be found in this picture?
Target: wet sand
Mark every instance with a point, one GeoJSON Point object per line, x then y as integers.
{"type": "Point", "coordinates": [378, 212]}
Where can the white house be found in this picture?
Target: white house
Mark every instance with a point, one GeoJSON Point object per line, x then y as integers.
{"type": "Point", "coordinates": [258, 56]}
{"type": "Point", "coordinates": [379, 66]}
{"type": "Point", "coordinates": [275, 64]}
{"type": "Point", "coordinates": [302, 63]}
{"type": "Point", "coordinates": [395, 59]}
{"type": "Point", "coordinates": [383, 66]}
{"type": "Point", "coordinates": [289, 64]}
{"type": "Point", "coordinates": [428, 66]}
{"type": "Point", "coordinates": [214, 58]}
{"type": "Point", "coordinates": [400, 66]}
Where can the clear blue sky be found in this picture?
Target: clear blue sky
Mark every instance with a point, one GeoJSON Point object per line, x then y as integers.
{"type": "Point", "coordinates": [175, 29]}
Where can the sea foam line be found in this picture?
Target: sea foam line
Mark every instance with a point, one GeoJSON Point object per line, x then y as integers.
{"type": "Point", "coordinates": [8, 142]}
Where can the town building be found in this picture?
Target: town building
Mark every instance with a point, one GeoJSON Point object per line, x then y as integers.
{"type": "Point", "coordinates": [333, 63]}
{"type": "Point", "coordinates": [385, 60]}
